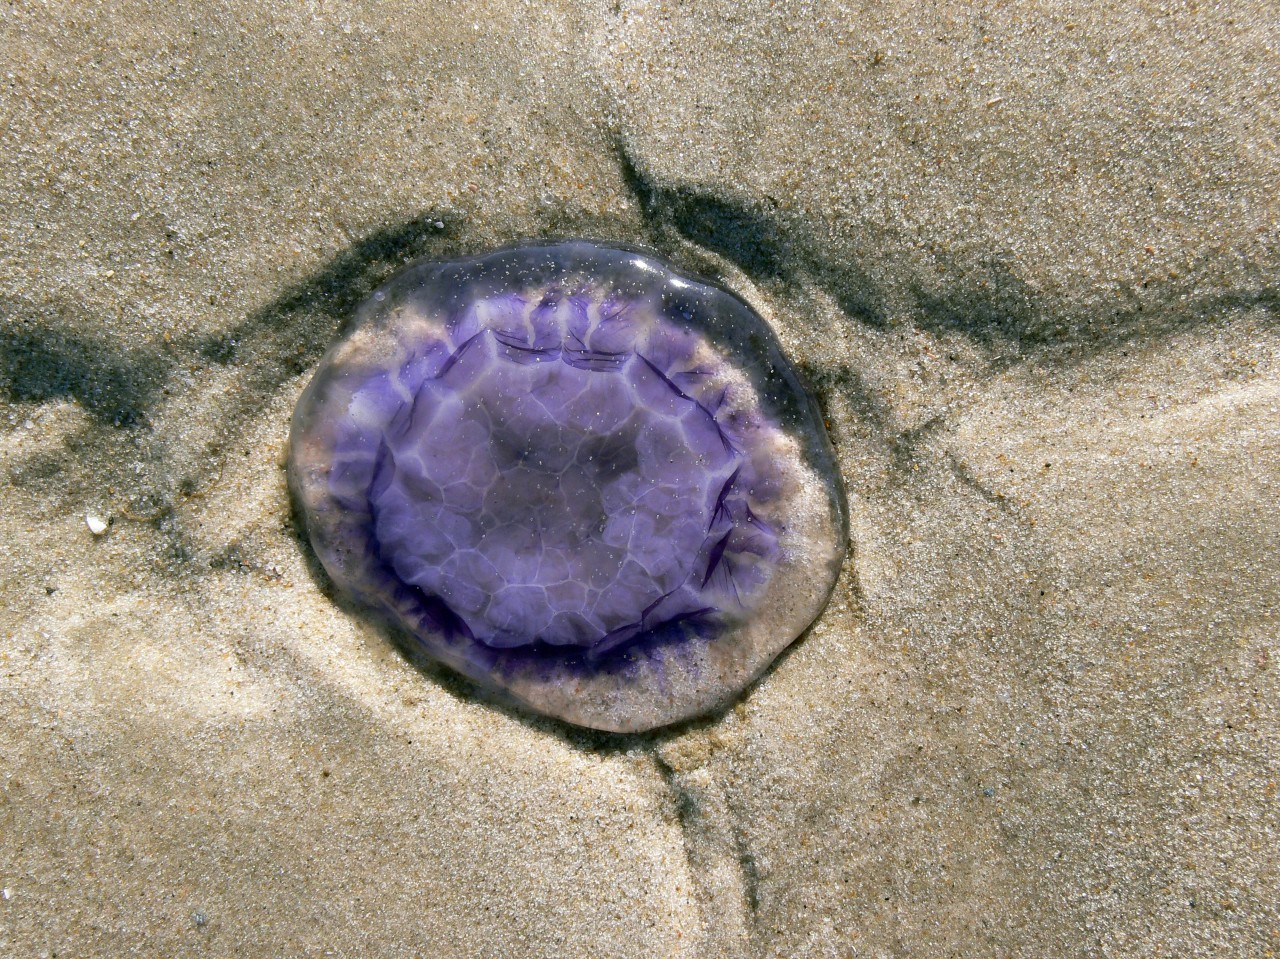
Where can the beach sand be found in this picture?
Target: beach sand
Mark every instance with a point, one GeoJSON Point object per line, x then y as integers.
{"type": "Point", "coordinates": [1028, 259]}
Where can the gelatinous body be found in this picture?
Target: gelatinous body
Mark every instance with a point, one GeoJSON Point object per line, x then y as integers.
{"type": "Point", "coordinates": [582, 480]}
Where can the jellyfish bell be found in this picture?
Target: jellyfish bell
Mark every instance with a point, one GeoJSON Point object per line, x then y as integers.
{"type": "Point", "coordinates": [590, 484]}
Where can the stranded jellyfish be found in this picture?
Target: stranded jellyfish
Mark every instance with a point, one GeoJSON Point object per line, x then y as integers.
{"type": "Point", "coordinates": [592, 485]}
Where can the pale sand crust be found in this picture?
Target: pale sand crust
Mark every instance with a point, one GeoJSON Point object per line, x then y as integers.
{"type": "Point", "coordinates": [1028, 260]}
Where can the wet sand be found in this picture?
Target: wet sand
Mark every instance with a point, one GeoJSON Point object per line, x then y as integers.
{"type": "Point", "coordinates": [1028, 260]}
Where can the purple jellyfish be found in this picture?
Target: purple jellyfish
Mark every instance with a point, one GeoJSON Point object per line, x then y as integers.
{"type": "Point", "coordinates": [592, 485]}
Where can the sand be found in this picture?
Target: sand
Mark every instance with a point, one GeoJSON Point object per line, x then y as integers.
{"type": "Point", "coordinates": [1028, 259]}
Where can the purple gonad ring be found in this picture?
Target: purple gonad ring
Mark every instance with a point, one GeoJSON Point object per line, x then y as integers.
{"type": "Point", "coordinates": [592, 485]}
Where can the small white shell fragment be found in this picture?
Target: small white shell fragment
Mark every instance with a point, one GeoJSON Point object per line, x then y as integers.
{"type": "Point", "coordinates": [96, 525]}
